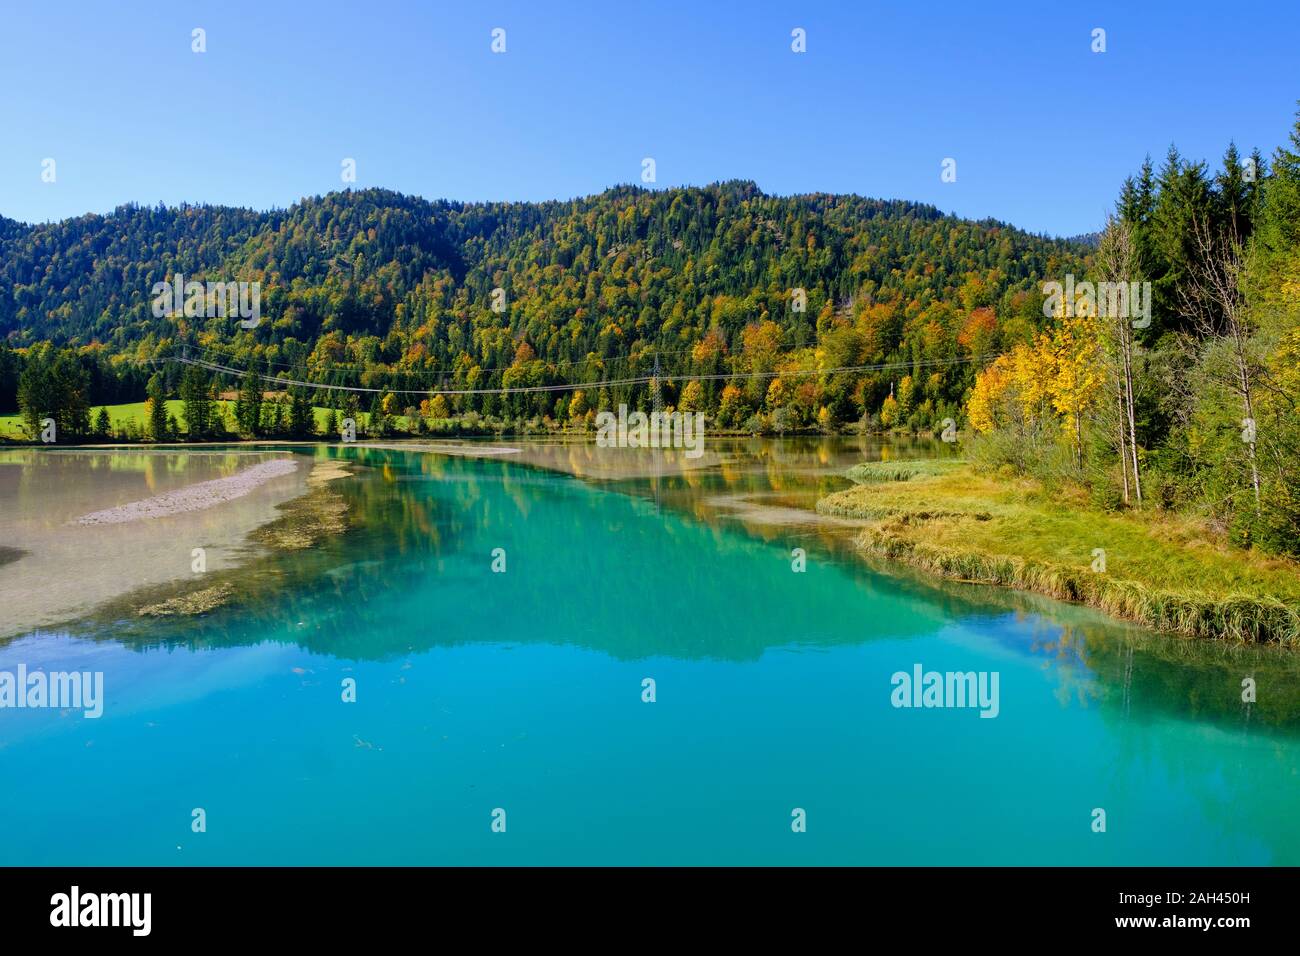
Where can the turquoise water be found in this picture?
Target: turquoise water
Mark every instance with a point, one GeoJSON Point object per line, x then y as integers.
{"type": "Point", "coordinates": [522, 691]}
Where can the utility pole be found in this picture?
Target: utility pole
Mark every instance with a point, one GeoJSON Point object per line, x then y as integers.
{"type": "Point", "coordinates": [657, 397]}
{"type": "Point", "coordinates": [656, 389]}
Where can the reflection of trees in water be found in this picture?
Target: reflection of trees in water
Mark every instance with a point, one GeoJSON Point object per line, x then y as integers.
{"type": "Point", "coordinates": [424, 522]}
{"type": "Point", "coordinates": [1137, 675]}
{"type": "Point", "coordinates": [68, 468]}
{"type": "Point", "coordinates": [1235, 762]}
{"type": "Point", "coordinates": [430, 521]}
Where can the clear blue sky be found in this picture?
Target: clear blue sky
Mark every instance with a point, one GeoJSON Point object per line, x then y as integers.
{"type": "Point", "coordinates": [1043, 130]}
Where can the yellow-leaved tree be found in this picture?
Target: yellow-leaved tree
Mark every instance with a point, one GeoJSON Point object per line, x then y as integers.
{"type": "Point", "coordinates": [1035, 389]}
{"type": "Point", "coordinates": [983, 406]}
{"type": "Point", "coordinates": [1075, 344]}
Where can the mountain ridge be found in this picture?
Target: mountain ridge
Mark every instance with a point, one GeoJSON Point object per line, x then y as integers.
{"type": "Point", "coordinates": [394, 284]}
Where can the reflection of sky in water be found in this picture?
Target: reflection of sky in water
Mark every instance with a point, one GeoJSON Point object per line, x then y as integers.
{"type": "Point", "coordinates": [522, 690]}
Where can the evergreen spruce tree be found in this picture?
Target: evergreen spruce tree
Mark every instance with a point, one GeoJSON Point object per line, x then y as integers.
{"type": "Point", "coordinates": [196, 394]}
{"type": "Point", "coordinates": [157, 404]}
{"type": "Point", "coordinates": [1232, 198]}
{"type": "Point", "coordinates": [1279, 229]}
{"type": "Point", "coordinates": [302, 420]}
{"type": "Point", "coordinates": [248, 407]}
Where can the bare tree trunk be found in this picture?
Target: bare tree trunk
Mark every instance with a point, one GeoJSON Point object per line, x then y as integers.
{"type": "Point", "coordinates": [1132, 416]}
{"type": "Point", "coordinates": [1122, 445]}
{"type": "Point", "coordinates": [1118, 261]}
{"type": "Point", "coordinates": [1248, 402]}
{"type": "Point", "coordinates": [1078, 438]}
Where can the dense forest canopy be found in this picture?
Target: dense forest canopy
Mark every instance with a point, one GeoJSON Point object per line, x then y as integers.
{"type": "Point", "coordinates": [381, 290]}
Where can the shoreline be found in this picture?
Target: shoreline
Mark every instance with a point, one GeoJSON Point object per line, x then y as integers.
{"type": "Point", "coordinates": [879, 534]}
{"type": "Point", "coordinates": [958, 526]}
{"type": "Point", "coordinates": [938, 519]}
{"type": "Point", "coordinates": [81, 536]}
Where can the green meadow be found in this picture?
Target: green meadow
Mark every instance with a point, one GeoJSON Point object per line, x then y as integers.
{"type": "Point", "coordinates": [11, 425]}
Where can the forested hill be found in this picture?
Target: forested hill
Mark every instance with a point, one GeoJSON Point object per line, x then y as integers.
{"type": "Point", "coordinates": [389, 290]}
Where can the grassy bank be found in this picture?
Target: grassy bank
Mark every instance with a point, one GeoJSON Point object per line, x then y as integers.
{"type": "Point", "coordinates": [1164, 571]}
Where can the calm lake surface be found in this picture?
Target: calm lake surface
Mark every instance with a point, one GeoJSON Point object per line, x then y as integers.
{"type": "Point", "coordinates": [522, 691]}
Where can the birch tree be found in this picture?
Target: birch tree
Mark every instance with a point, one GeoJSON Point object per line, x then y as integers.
{"type": "Point", "coordinates": [1117, 261]}
{"type": "Point", "coordinates": [1213, 299]}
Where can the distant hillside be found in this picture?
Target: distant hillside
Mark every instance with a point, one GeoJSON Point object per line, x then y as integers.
{"type": "Point", "coordinates": [1089, 240]}
{"type": "Point", "coordinates": [378, 288]}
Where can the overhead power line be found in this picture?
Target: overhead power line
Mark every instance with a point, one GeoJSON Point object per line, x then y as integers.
{"type": "Point", "coordinates": [648, 355]}
{"type": "Point", "coordinates": [574, 386]}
